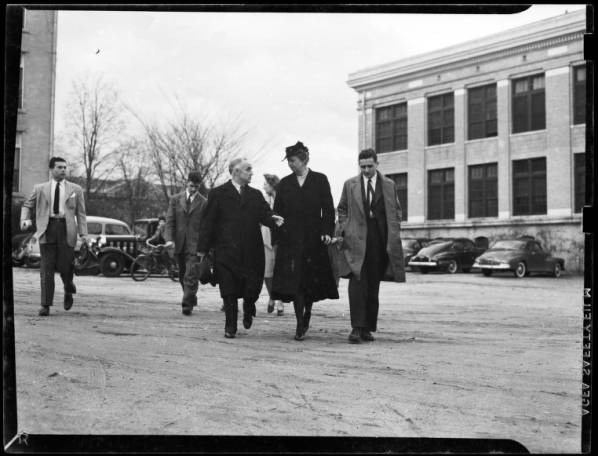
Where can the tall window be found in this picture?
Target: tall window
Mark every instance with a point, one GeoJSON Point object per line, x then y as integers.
{"type": "Point", "coordinates": [441, 194]}
{"type": "Point", "coordinates": [481, 112]}
{"type": "Point", "coordinates": [401, 183]}
{"type": "Point", "coordinates": [441, 119]}
{"type": "Point", "coordinates": [16, 173]}
{"type": "Point", "coordinates": [529, 110]}
{"type": "Point", "coordinates": [483, 190]}
{"type": "Point", "coordinates": [391, 128]}
{"type": "Point", "coordinates": [21, 81]}
{"type": "Point", "coordinates": [580, 181]}
{"type": "Point", "coordinates": [529, 186]}
{"type": "Point", "coordinates": [579, 94]}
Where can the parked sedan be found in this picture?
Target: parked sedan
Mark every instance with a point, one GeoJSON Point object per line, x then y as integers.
{"type": "Point", "coordinates": [520, 256]}
{"type": "Point", "coordinates": [410, 247]}
{"type": "Point", "coordinates": [449, 255]}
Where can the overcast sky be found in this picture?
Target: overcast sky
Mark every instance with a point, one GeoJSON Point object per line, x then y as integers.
{"type": "Point", "coordinates": [284, 75]}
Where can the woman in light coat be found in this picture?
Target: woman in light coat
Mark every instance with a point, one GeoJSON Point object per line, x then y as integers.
{"type": "Point", "coordinates": [270, 185]}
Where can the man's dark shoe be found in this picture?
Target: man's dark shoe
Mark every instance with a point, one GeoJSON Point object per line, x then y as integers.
{"type": "Point", "coordinates": [270, 306]}
{"type": "Point", "coordinates": [68, 301]}
{"type": "Point", "coordinates": [299, 332]}
{"type": "Point", "coordinates": [229, 334]}
{"type": "Point", "coordinates": [187, 310]}
{"type": "Point", "coordinates": [366, 335]}
{"type": "Point", "coordinates": [44, 311]}
{"type": "Point", "coordinates": [355, 337]}
{"type": "Point", "coordinates": [247, 321]}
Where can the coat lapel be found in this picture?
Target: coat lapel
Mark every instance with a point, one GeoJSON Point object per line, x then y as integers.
{"type": "Point", "coordinates": [378, 189]}
{"type": "Point", "coordinates": [47, 192]}
{"type": "Point", "coordinates": [356, 192]}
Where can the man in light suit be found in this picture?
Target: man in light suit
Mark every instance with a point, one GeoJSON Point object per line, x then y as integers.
{"type": "Point", "coordinates": [59, 208]}
{"type": "Point", "coordinates": [182, 228]}
{"type": "Point", "coordinates": [369, 221]}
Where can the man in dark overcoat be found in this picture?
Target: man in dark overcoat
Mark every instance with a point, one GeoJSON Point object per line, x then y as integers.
{"type": "Point", "coordinates": [184, 215]}
{"type": "Point", "coordinates": [369, 221]}
{"type": "Point", "coordinates": [231, 228]}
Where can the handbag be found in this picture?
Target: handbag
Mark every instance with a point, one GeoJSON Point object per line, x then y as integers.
{"type": "Point", "coordinates": [206, 270]}
{"type": "Point", "coordinates": [338, 261]}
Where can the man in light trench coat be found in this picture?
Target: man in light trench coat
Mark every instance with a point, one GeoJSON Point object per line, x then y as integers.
{"type": "Point", "coordinates": [369, 221]}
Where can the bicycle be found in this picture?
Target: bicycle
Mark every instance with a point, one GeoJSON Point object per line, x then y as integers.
{"type": "Point", "coordinates": [153, 263]}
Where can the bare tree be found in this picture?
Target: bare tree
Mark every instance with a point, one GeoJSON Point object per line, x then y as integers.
{"type": "Point", "coordinates": [133, 164]}
{"type": "Point", "coordinates": [93, 124]}
{"type": "Point", "coordinates": [187, 143]}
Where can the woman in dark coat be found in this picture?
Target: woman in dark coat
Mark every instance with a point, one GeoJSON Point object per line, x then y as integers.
{"type": "Point", "coordinates": [302, 271]}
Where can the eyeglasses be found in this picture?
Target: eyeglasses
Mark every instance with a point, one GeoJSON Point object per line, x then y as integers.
{"type": "Point", "coordinates": [366, 166]}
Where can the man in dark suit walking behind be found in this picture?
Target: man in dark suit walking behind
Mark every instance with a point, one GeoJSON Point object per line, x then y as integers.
{"type": "Point", "coordinates": [59, 208]}
{"type": "Point", "coordinates": [231, 227]}
{"type": "Point", "coordinates": [369, 220]}
{"type": "Point", "coordinates": [183, 218]}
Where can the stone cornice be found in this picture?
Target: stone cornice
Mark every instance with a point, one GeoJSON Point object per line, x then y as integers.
{"type": "Point", "coordinates": [543, 34]}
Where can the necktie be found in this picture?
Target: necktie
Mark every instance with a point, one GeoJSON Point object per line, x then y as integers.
{"type": "Point", "coordinates": [56, 198]}
{"type": "Point", "coordinates": [370, 194]}
{"type": "Point", "coordinates": [188, 202]}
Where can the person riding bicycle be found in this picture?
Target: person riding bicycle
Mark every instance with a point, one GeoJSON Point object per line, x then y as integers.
{"type": "Point", "coordinates": [158, 239]}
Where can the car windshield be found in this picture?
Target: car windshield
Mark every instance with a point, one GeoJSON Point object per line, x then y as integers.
{"type": "Point", "coordinates": [436, 247]}
{"type": "Point", "coordinates": [509, 245]}
{"type": "Point", "coordinates": [408, 243]}
{"type": "Point", "coordinates": [140, 228]}
{"type": "Point", "coordinates": [112, 228]}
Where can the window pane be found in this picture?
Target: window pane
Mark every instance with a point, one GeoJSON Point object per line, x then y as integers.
{"type": "Point", "coordinates": [521, 86]}
{"type": "Point", "coordinates": [538, 115]}
{"type": "Point", "coordinates": [449, 175]}
{"type": "Point", "coordinates": [448, 135]}
{"type": "Point", "coordinates": [491, 128]}
{"type": "Point", "coordinates": [520, 116]}
{"type": "Point", "coordinates": [382, 114]}
{"type": "Point", "coordinates": [580, 74]}
{"type": "Point", "coordinates": [94, 228]}
{"type": "Point", "coordinates": [434, 136]}
{"type": "Point", "coordinates": [538, 82]}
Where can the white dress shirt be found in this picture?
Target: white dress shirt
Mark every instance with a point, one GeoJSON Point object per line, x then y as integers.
{"type": "Point", "coordinates": [190, 196]}
{"type": "Point", "coordinates": [237, 186]}
{"type": "Point", "coordinates": [61, 200]}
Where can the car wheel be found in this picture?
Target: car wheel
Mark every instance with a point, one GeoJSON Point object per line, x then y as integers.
{"type": "Point", "coordinates": [141, 267]}
{"type": "Point", "coordinates": [520, 270]}
{"type": "Point", "coordinates": [556, 271]}
{"type": "Point", "coordinates": [423, 270]}
{"type": "Point", "coordinates": [453, 267]}
{"type": "Point", "coordinates": [112, 265]}
{"type": "Point", "coordinates": [487, 272]}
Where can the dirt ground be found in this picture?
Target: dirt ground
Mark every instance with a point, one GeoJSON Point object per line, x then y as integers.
{"type": "Point", "coordinates": [454, 356]}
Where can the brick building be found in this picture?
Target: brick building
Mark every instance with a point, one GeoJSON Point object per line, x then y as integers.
{"type": "Point", "coordinates": [35, 121]}
{"type": "Point", "coordinates": [486, 138]}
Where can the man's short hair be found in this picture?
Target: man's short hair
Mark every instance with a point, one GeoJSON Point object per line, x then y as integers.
{"type": "Point", "coordinates": [368, 153]}
{"type": "Point", "coordinates": [54, 160]}
{"type": "Point", "coordinates": [233, 164]}
{"type": "Point", "coordinates": [195, 177]}
{"type": "Point", "coordinates": [161, 217]}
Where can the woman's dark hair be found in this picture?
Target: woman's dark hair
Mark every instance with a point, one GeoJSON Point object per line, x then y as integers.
{"type": "Point", "coordinates": [298, 150]}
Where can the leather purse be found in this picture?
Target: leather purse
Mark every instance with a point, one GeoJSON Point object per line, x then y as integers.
{"type": "Point", "coordinates": [206, 270]}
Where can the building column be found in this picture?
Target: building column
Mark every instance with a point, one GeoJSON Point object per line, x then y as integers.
{"type": "Point", "coordinates": [558, 136]}
{"type": "Point", "coordinates": [460, 171]}
{"type": "Point", "coordinates": [416, 165]}
{"type": "Point", "coordinates": [503, 112]}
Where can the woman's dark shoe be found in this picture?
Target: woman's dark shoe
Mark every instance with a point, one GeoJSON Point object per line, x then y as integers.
{"type": "Point", "coordinates": [366, 335]}
{"type": "Point", "coordinates": [299, 333]}
{"type": "Point", "coordinates": [306, 318]}
{"type": "Point", "coordinates": [355, 336]}
{"type": "Point", "coordinates": [270, 306]}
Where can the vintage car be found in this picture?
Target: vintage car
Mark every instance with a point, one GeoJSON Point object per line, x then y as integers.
{"type": "Point", "coordinates": [446, 254]}
{"type": "Point", "coordinates": [410, 247]}
{"type": "Point", "coordinates": [521, 256]}
{"type": "Point", "coordinates": [144, 228]}
{"type": "Point", "coordinates": [117, 245]}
